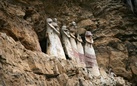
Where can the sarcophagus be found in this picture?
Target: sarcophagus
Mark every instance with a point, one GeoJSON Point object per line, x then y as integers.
{"type": "Point", "coordinates": [73, 44]}
{"type": "Point", "coordinates": [81, 51]}
{"type": "Point", "coordinates": [90, 57]}
{"type": "Point", "coordinates": [66, 43]}
{"type": "Point", "coordinates": [54, 46]}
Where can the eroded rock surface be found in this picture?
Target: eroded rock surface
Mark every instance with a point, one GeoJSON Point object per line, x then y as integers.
{"type": "Point", "coordinates": [116, 37]}
{"type": "Point", "coordinates": [22, 67]}
{"type": "Point", "coordinates": [12, 23]}
{"type": "Point", "coordinates": [23, 26]}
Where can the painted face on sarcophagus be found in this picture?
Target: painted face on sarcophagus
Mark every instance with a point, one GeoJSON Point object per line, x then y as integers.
{"type": "Point", "coordinates": [88, 37]}
{"type": "Point", "coordinates": [55, 25]}
{"type": "Point", "coordinates": [49, 20]}
{"type": "Point", "coordinates": [65, 31]}
{"type": "Point", "coordinates": [88, 33]}
{"type": "Point", "coordinates": [73, 29]}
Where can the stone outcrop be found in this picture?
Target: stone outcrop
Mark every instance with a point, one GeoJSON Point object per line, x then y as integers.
{"type": "Point", "coordinates": [22, 67]}
{"type": "Point", "coordinates": [16, 27]}
{"type": "Point", "coordinates": [115, 38]}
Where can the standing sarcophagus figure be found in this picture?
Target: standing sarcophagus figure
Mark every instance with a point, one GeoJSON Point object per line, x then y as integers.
{"type": "Point", "coordinates": [81, 51]}
{"type": "Point", "coordinates": [90, 57]}
{"type": "Point", "coordinates": [54, 46]}
{"type": "Point", "coordinates": [66, 42]}
{"type": "Point", "coordinates": [73, 42]}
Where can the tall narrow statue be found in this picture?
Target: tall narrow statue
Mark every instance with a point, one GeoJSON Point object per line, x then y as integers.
{"type": "Point", "coordinates": [54, 46]}
{"type": "Point", "coordinates": [81, 51]}
{"type": "Point", "coordinates": [90, 57]}
{"type": "Point", "coordinates": [66, 42]}
{"type": "Point", "coordinates": [73, 41]}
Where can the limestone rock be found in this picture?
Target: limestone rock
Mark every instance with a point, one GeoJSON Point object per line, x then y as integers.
{"type": "Point", "coordinates": [84, 82]}
{"type": "Point", "coordinates": [120, 81]}
{"type": "Point", "coordinates": [81, 31]}
{"type": "Point", "coordinates": [19, 29]}
{"type": "Point", "coordinates": [62, 78]}
{"type": "Point", "coordinates": [112, 27]}
{"type": "Point", "coordinates": [21, 64]}
{"type": "Point", "coordinates": [85, 23]}
{"type": "Point", "coordinates": [16, 10]}
{"type": "Point", "coordinates": [134, 65]}
{"type": "Point", "coordinates": [72, 82]}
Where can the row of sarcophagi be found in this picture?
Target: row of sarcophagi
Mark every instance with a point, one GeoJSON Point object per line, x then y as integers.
{"type": "Point", "coordinates": [70, 46]}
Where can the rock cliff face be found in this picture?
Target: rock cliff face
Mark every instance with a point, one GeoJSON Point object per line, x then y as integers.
{"type": "Point", "coordinates": [22, 67]}
{"type": "Point", "coordinates": [22, 40]}
{"type": "Point", "coordinates": [115, 38]}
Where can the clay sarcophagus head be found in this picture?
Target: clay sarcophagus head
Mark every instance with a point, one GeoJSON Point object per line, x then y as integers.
{"type": "Point", "coordinates": [52, 26]}
{"type": "Point", "coordinates": [65, 31]}
{"type": "Point", "coordinates": [73, 29]}
{"type": "Point", "coordinates": [88, 37]}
